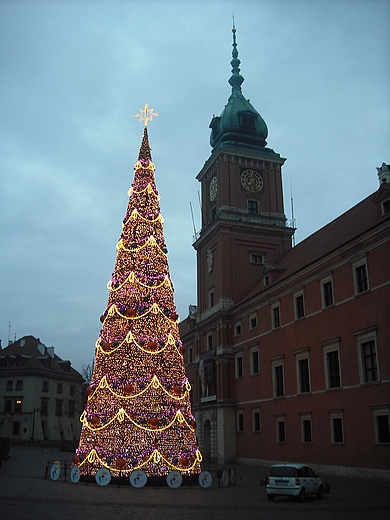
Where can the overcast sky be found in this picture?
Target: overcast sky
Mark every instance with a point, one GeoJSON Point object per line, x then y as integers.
{"type": "Point", "coordinates": [72, 74]}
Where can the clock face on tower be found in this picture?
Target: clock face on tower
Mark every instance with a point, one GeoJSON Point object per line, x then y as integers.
{"type": "Point", "coordinates": [213, 188]}
{"type": "Point", "coordinates": [252, 181]}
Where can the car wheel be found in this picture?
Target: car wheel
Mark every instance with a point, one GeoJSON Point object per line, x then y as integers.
{"type": "Point", "coordinates": [320, 493]}
{"type": "Point", "coordinates": [302, 495]}
{"type": "Point", "coordinates": [270, 498]}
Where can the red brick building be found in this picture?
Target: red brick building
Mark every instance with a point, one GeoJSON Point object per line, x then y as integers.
{"type": "Point", "coordinates": [287, 349]}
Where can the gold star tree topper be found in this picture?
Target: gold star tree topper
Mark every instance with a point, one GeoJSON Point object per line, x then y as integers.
{"type": "Point", "coordinates": [146, 114]}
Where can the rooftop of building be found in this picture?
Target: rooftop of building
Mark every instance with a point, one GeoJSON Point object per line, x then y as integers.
{"type": "Point", "coordinates": [352, 224]}
{"type": "Point", "coordinates": [30, 353]}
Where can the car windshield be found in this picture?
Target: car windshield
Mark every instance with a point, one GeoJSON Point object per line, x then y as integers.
{"type": "Point", "coordinates": [283, 471]}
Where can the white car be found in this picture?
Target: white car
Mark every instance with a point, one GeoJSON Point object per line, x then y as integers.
{"type": "Point", "coordinates": [295, 480]}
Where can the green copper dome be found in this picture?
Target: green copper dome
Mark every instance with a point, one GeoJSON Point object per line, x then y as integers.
{"type": "Point", "coordinates": [239, 125]}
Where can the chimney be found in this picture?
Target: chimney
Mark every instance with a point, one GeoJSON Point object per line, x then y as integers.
{"type": "Point", "coordinates": [384, 174]}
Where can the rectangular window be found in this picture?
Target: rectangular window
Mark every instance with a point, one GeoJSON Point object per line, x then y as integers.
{"type": "Point", "coordinates": [239, 366]}
{"type": "Point", "coordinates": [44, 406]}
{"type": "Point", "coordinates": [306, 430]}
{"type": "Point", "coordinates": [386, 207]}
{"type": "Point", "coordinates": [280, 430]}
{"type": "Point", "coordinates": [255, 365]}
{"type": "Point", "coordinates": [8, 406]}
{"type": "Point", "coordinates": [18, 406]}
{"type": "Point", "coordinates": [337, 430]}
{"type": "Point", "coordinates": [58, 407]}
{"type": "Point", "coordinates": [252, 321]}
{"type": "Point", "coordinates": [237, 329]}
{"type": "Point", "coordinates": [382, 423]}
{"type": "Point", "coordinates": [71, 390]}
{"type": "Point", "coordinates": [327, 294]}
{"type": "Point", "coordinates": [256, 258]}
{"type": "Point", "coordinates": [189, 352]}
{"type": "Point", "coordinates": [275, 313]}
{"type": "Point", "coordinates": [59, 388]}
{"type": "Point", "coordinates": [333, 368]}
{"type": "Point", "coordinates": [10, 385]}
{"type": "Point", "coordinates": [370, 369]}
{"type": "Point", "coordinates": [19, 385]}
{"type": "Point", "coordinates": [252, 207]}
{"type": "Point", "coordinates": [299, 306]}
{"type": "Point", "coordinates": [211, 298]}
{"type": "Point", "coordinates": [367, 356]}
{"type": "Point", "coordinates": [256, 420]}
{"type": "Point", "coordinates": [360, 274]}
{"type": "Point", "coordinates": [240, 421]}
{"type": "Point", "coordinates": [304, 375]}
{"type": "Point", "coordinates": [45, 386]}
{"type": "Point", "coordinates": [278, 380]}
{"type": "Point", "coordinates": [361, 278]}
{"type": "Point", "coordinates": [209, 341]}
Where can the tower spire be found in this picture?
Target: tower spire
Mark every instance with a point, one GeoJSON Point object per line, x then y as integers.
{"type": "Point", "coordinates": [236, 79]}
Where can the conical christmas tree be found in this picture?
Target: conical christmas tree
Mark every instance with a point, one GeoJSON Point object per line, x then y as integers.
{"type": "Point", "coordinates": [138, 414]}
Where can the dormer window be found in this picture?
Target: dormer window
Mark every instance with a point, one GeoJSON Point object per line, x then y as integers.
{"type": "Point", "coordinates": [247, 120]}
{"type": "Point", "coordinates": [386, 207]}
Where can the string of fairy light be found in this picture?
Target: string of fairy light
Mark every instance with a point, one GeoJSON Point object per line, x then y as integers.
{"type": "Point", "coordinates": [138, 413]}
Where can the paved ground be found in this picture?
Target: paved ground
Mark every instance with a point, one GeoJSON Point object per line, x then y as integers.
{"type": "Point", "coordinates": [25, 495]}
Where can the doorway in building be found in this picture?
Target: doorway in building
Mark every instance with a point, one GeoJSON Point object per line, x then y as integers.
{"type": "Point", "coordinates": [206, 454]}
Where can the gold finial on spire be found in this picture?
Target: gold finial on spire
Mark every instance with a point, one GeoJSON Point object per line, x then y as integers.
{"type": "Point", "coordinates": [146, 114]}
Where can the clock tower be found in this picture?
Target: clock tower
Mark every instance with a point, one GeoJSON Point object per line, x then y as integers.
{"type": "Point", "coordinates": [244, 227]}
{"type": "Point", "coordinates": [244, 233]}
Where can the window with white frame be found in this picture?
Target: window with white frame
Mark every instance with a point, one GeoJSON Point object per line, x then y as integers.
{"type": "Point", "coordinates": [256, 420]}
{"type": "Point", "coordinates": [281, 429]}
{"type": "Point", "coordinates": [255, 360]}
{"type": "Point", "coordinates": [275, 315]}
{"type": "Point", "coordinates": [303, 371]}
{"type": "Point", "coordinates": [278, 376]}
{"type": "Point", "coordinates": [239, 362]}
{"type": "Point", "coordinates": [240, 421]}
{"type": "Point", "coordinates": [332, 365]}
{"type": "Point", "coordinates": [360, 276]}
{"type": "Point", "coordinates": [385, 207]}
{"type": "Point", "coordinates": [306, 429]}
{"type": "Point", "coordinates": [336, 427]}
{"type": "Point", "coordinates": [256, 258]}
{"type": "Point", "coordinates": [381, 425]}
{"type": "Point", "coordinates": [368, 356]}
{"type": "Point", "coordinates": [252, 321]}
{"type": "Point", "coordinates": [327, 292]}
{"type": "Point", "coordinates": [237, 328]}
{"type": "Point", "coordinates": [299, 305]}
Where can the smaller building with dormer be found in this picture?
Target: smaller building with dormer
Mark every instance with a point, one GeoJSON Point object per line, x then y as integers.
{"type": "Point", "coordinates": [41, 395]}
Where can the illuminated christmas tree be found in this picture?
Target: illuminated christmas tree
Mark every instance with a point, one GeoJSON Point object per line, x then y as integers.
{"type": "Point", "coordinates": [138, 414]}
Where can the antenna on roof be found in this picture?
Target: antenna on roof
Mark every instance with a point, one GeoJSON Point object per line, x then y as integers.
{"type": "Point", "coordinates": [193, 220]}
{"type": "Point", "coordinates": [9, 333]}
{"type": "Point", "coordinates": [200, 207]}
{"type": "Point", "coordinates": [292, 213]}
